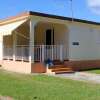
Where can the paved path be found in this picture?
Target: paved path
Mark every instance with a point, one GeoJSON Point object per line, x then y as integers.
{"type": "Point", "coordinates": [83, 76]}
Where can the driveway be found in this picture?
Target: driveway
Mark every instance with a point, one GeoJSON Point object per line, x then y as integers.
{"type": "Point", "coordinates": [82, 76]}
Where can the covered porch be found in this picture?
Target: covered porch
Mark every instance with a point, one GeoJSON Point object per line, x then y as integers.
{"type": "Point", "coordinates": [36, 42]}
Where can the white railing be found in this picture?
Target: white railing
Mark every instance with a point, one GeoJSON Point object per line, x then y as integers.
{"type": "Point", "coordinates": [22, 53]}
{"type": "Point", "coordinates": [41, 52]}
{"type": "Point", "coordinates": [19, 53]}
{"type": "Point", "coordinates": [53, 52]}
{"type": "Point", "coordinates": [8, 53]}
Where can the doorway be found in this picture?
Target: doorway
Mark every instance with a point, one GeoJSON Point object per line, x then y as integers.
{"type": "Point", "coordinates": [49, 37]}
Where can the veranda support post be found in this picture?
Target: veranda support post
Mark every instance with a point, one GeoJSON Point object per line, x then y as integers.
{"type": "Point", "coordinates": [31, 41]}
{"type": "Point", "coordinates": [14, 46]}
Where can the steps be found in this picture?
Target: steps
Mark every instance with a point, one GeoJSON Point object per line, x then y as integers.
{"type": "Point", "coordinates": [60, 68]}
{"type": "Point", "coordinates": [62, 72]}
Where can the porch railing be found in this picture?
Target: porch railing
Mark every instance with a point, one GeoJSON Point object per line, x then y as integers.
{"type": "Point", "coordinates": [41, 52]}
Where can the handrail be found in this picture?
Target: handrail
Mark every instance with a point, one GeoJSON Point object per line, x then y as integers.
{"type": "Point", "coordinates": [41, 52]}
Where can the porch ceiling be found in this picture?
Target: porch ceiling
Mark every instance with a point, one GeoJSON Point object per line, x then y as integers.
{"type": "Point", "coordinates": [7, 29]}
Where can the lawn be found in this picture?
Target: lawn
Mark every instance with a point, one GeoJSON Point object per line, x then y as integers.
{"type": "Point", "coordinates": [41, 87]}
{"type": "Point", "coordinates": [95, 71]}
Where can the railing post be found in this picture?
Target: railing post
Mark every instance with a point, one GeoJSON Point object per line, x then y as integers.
{"type": "Point", "coordinates": [22, 52]}
{"type": "Point", "coordinates": [8, 54]}
{"type": "Point", "coordinates": [61, 52]}
{"type": "Point", "coordinates": [30, 57]}
{"type": "Point", "coordinates": [40, 53]}
{"type": "Point", "coordinates": [43, 53]}
{"type": "Point", "coordinates": [52, 50]}
{"type": "Point", "coordinates": [14, 53]}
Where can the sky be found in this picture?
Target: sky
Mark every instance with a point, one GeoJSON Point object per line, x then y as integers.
{"type": "Point", "coordinates": [83, 9]}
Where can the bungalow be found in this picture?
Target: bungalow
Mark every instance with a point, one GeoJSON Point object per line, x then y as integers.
{"type": "Point", "coordinates": [29, 39]}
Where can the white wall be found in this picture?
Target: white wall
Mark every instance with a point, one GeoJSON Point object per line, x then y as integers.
{"type": "Point", "coordinates": [88, 48]}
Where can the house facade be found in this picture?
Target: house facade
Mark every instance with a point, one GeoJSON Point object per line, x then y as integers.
{"type": "Point", "coordinates": [31, 38]}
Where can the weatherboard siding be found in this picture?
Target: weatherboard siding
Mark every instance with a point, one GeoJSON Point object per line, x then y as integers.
{"type": "Point", "coordinates": [89, 44]}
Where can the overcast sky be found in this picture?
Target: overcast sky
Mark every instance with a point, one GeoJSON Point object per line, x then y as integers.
{"type": "Point", "coordinates": [83, 9]}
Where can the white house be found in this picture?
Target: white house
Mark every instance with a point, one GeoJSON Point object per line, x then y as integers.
{"type": "Point", "coordinates": [29, 39]}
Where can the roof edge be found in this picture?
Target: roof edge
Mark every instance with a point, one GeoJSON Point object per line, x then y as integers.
{"type": "Point", "coordinates": [63, 18]}
{"type": "Point", "coordinates": [15, 18]}
{"type": "Point", "coordinates": [28, 13]}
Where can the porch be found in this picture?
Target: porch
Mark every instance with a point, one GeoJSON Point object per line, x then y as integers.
{"type": "Point", "coordinates": [36, 42]}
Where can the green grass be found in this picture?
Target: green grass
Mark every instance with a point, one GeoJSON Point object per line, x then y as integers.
{"type": "Point", "coordinates": [41, 87]}
{"type": "Point", "coordinates": [95, 71]}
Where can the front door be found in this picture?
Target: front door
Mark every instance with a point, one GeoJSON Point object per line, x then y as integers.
{"type": "Point", "coordinates": [49, 37]}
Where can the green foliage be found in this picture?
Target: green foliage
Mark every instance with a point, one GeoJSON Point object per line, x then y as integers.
{"type": "Point", "coordinates": [41, 87]}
